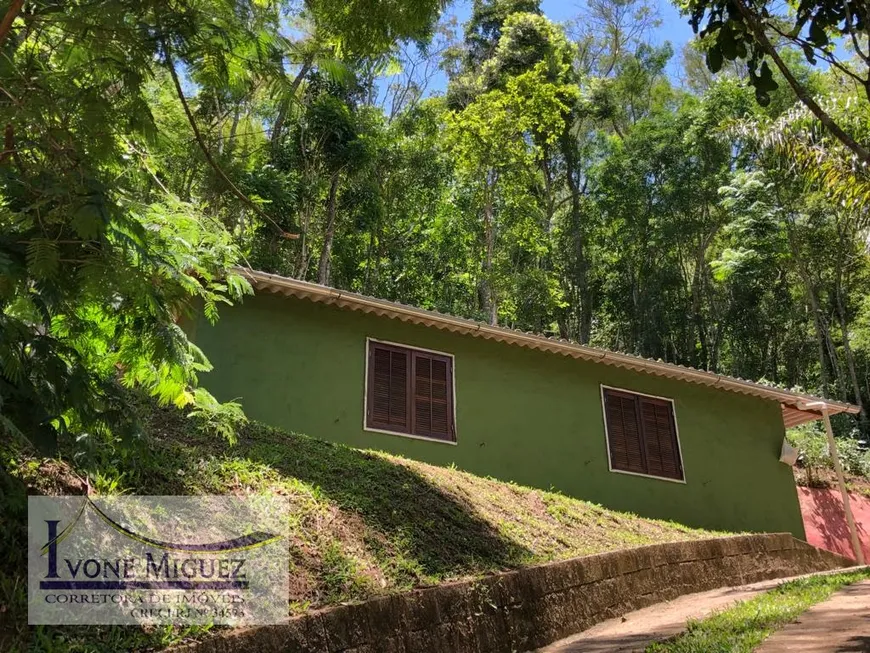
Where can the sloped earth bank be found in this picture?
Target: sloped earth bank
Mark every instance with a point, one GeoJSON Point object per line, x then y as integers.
{"type": "Point", "coordinates": [365, 524]}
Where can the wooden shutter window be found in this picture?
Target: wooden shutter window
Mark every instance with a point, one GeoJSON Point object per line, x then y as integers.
{"type": "Point", "coordinates": [410, 392]}
{"type": "Point", "coordinates": [660, 438]}
{"type": "Point", "coordinates": [433, 410]}
{"type": "Point", "coordinates": [642, 435]}
{"type": "Point", "coordinates": [623, 432]}
{"type": "Point", "coordinates": [388, 388]}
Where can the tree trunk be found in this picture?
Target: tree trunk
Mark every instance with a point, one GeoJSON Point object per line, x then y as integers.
{"type": "Point", "coordinates": [832, 356]}
{"type": "Point", "coordinates": [9, 18]}
{"type": "Point", "coordinates": [845, 238]}
{"type": "Point", "coordinates": [284, 107]}
{"type": "Point", "coordinates": [581, 268]}
{"type": "Point", "coordinates": [490, 305]}
{"type": "Point", "coordinates": [814, 307]}
{"type": "Point", "coordinates": [371, 268]}
{"type": "Point", "coordinates": [302, 255]}
{"type": "Point", "coordinates": [278, 125]}
{"type": "Point", "coordinates": [550, 197]}
{"type": "Point", "coordinates": [323, 268]}
{"type": "Point", "coordinates": [820, 333]}
{"type": "Point", "coordinates": [819, 327]}
{"type": "Point", "coordinates": [375, 248]}
{"type": "Point", "coordinates": [188, 184]}
{"type": "Point", "coordinates": [697, 313]}
{"type": "Point", "coordinates": [231, 140]}
{"type": "Point", "coordinates": [850, 359]}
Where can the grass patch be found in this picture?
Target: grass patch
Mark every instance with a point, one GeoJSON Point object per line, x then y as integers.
{"type": "Point", "coordinates": [743, 627]}
{"type": "Point", "coordinates": [363, 523]}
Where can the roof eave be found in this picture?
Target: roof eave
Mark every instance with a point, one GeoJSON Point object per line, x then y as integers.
{"type": "Point", "coordinates": [794, 401]}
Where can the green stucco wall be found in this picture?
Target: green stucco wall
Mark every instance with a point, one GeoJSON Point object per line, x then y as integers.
{"type": "Point", "coordinates": [521, 415]}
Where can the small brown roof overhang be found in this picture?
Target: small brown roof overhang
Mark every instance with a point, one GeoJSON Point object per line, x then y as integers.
{"type": "Point", "coordinates": [797, 408]}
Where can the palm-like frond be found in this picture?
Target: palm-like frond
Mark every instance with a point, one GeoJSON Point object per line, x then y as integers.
{"type": "Point", "coordinates": [801, 143]}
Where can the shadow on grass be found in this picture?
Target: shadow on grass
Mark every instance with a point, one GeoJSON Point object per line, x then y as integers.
{"type": "Point", "coordinates": [439, 530]}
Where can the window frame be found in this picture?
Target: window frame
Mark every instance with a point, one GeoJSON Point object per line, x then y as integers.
{"type": "Point", "coordinates": [412, 348]}
{"type": "Point", "coordinates": [610, 467]}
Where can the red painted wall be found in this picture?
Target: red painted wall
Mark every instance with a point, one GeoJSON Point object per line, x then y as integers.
{"type": "Point", "coordinates": [825, 521]}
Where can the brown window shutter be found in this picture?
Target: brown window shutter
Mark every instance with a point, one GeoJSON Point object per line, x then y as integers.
{"type": "Point", "coordinates": [624, 432]}
{"type": "Point", "coordinates": [642, 434]}
{"type": "Point", "coordinates": [433, 401]}
{"type": "Point", "coordinates": [410, 391]}
{"type": "Point", "coordinates": [660, 438]}
{"type": "Point", "coordinates": [388, 396]}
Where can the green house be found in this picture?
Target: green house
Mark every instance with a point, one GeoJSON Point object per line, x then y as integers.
{"type": "Point", "coordinates": [632, 434]}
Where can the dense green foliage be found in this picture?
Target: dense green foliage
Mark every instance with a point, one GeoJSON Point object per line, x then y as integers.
{"type": "Point", "coordinates": [106, 243]}
{"type": "Point", "coordinates": [761, 32]}
{"type": "Point", "coordinates": [562, 183]}
{"type": "Point", "coordinates": [816, 464]}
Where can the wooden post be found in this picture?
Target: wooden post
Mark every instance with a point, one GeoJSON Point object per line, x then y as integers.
{"type": "Point", "coordinates": [847, 506]}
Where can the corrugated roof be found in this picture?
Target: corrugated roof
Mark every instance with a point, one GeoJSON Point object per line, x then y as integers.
{"type": "Point", "coordinates": [797, 408]}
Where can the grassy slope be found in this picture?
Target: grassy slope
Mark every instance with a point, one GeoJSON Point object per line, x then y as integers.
{"type": "Point", "coordinates": [364, 523]}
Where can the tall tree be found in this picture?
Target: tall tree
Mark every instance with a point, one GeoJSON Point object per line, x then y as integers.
{"type": "Point", "coordinates": [501, 139]}
{"type": "Point", "coordinates": [100, 259]}
{"type": "Point", "coordinates": [758, 32]}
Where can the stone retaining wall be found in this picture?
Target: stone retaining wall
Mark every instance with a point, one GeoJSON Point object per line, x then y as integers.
{"type": "Point", "coordinates": [529, 608]}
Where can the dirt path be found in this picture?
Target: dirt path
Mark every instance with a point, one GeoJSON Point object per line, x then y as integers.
{"type": "Point", "coordinates": [842, 623]}
{"type": "Point", "coordinates": [636, 630]}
